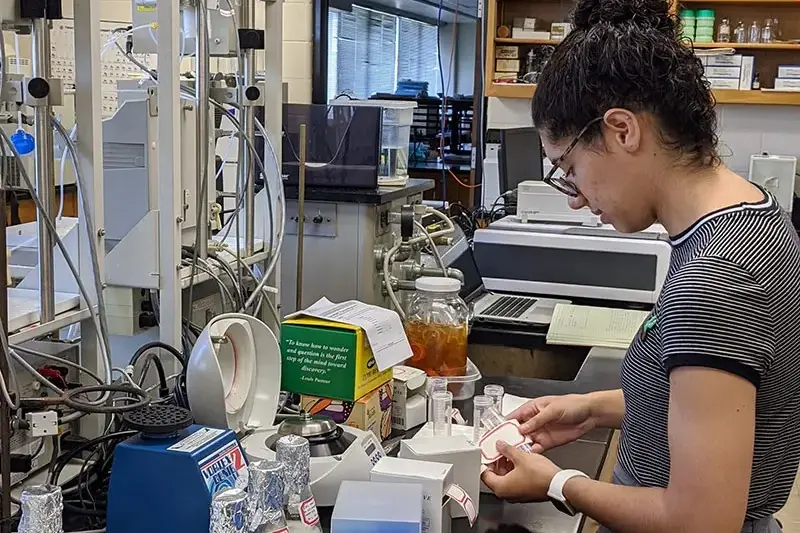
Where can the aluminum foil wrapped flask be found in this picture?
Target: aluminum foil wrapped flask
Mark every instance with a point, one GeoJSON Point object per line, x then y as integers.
{"type": "Point", "coordinates": [294, 453]}
{"type": "Point", "coordinates": [265, 492]}
{"type": "Point", "coordinates": [42, 510]}
{"type": "Point", "coordinates": [229, 511]}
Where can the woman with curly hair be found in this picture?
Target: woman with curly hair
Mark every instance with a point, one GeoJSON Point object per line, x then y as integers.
{"type": "Point", "coordinates": [710, 401]}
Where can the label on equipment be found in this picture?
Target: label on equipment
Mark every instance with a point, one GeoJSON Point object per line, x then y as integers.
{"type": "Point", "coordinates": [308, 512]}
{"type": "Point", "coordinates": [224, 469]}
{"type": "Point", "coordinates": [196, 440]}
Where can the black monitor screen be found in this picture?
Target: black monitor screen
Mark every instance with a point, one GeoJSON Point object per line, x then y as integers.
{"type": "Point", "coordinates": [342, 145]}
{"type": "Point", "coordinates": [520, 157]}
{"type": "Point", "coordinates": [472, 276]}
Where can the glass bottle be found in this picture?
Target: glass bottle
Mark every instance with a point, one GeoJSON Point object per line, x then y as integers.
{"type": "Point", "coordinates": [756, 82]}
{"type": "Point", "coordinates": [776, 30]}
{"type": "Point", "coordinates": [294, 453]}
{"type": "Point", "coordinates": [724, 31]}
{"type": "Point", "coordinates": [740, 34]}
{"type": "Point", "coordinates": [767, 32]}
{"type": "Point", "coordinates": [437, 324]}
{"type": "Point", "coordinates": [228, 511]}
{"type": "Point", "coordinates": [265, 491]}
{"type": "Point", "coordinates": [755, 33]}
{"type": "Point", "coordinates": [42, 509]}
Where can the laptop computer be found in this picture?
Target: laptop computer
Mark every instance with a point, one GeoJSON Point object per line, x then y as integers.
{"type": "Point", "coordinates": [497, 307]}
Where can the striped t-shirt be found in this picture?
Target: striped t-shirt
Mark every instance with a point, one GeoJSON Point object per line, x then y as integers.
{"type": "Point", "coordinates": [731, 301]}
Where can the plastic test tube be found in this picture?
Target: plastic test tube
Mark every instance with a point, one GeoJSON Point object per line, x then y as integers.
{"type": "Point", "coordinates": [434, 385]}
{"type": "Point", "coordinates": [492, 418]}
{"type": "Point", "coordinates": [442, 413]}
{"type": "Point", "coordinates": [480, 404]}
{"type": "Point", "coordinates": [495, 392]}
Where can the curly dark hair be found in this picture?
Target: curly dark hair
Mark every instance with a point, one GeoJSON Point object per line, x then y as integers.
{"type": "Point", "coordinates": [627, 54]}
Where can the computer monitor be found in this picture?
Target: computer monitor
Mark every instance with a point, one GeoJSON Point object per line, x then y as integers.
{"type": "Point", "coordinates": [520, 157]}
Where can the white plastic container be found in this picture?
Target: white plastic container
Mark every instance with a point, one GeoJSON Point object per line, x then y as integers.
{"type": "Point", "coordinates": [463, 387]}
{"type": "Point", "coordinates": [398, 115]}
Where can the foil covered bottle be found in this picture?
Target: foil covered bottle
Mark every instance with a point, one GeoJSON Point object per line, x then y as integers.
{"type": "Point", "coordinates": [42, 510]}
{"type": "Point", "coordinates": [265, 493]}
{"type": "Point", "coordinates": [229, 511]}
{"type": "Point", "coordinates": [294, 453]}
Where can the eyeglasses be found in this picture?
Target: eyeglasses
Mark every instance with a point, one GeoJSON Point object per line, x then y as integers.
{"type": "Point", "coordinates": [560, 183]}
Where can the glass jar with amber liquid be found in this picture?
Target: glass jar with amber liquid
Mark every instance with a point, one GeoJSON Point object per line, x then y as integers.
{"type": "Point", "coordinates": [437, 325]}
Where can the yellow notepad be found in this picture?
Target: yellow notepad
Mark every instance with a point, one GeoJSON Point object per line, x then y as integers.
{"type": "Point", "coordinates": [581, 325]}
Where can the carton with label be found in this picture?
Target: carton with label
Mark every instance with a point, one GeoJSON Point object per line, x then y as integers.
{"type": "Point", "coordinates": [372, 412]}
{"type": "Point", "coordinates": [438, 489]}
{"type": "Point", "coordinates": [341, 351]}
{"type": "Point", "coordinates": [409, 401]}
{"type": "Point", "coordinates": [457, 451]}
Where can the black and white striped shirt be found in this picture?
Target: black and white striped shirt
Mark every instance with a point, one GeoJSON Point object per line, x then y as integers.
{"type": "Point", "coordinates": [731, 301]}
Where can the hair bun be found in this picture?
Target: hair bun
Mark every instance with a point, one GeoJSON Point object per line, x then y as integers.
{"type": "Point", "coordinates": [643, 13]}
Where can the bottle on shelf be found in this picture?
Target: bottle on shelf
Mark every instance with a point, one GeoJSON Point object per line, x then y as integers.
{"type": "Point", "coordinates": [767, 32]}
{"type": "Point", "coordinates": [724, 31]}
{"type": "Point", "coordinates": [740, 33]}
{"type": "Point", "coordinates": [755, 33]}
{"type": "Point", "coordinates": [756, 82]}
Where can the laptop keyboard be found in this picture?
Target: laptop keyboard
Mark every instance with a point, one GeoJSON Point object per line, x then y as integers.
{"type": "Point", "coordinates": [509, 307]}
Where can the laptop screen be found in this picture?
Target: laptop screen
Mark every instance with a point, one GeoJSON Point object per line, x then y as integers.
{"type": "Point", "coordinates": [472, 276]}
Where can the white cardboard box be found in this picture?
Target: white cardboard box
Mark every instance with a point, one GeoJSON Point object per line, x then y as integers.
{"type": "Point", "coordinates": [723, 61]}
{"type": "Point", "coordinates": [789, 71]}
{"type": "Point", "coordinates": [437, 486]}
{"type": "Point", "coordinates": [409, 401]}
{"type": "Point", "coordinates": [723, 72]}
{"type": "Point", "coordinates": [457, 451]}
{"type": "Point", "coordinates": [724, 83]}
{"type": "Point", "coordinates": [787, 84]}
{"type": "Point", "coordinates": [748, 70]}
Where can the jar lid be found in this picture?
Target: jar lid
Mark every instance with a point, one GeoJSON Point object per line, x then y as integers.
{"type": "Point", "coordinates": [687, 13]}
{"type": "Point", "coordinates": [440, 285]}
{"type": "Point", "coordinates": [705, 14]}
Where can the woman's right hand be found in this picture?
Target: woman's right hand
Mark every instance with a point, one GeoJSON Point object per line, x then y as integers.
{"type": "Point", "coordinates": [552, 421]}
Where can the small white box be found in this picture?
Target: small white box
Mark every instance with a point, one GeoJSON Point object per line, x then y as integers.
{"type": "Point", "coordinates": [507, 65]}
{"type": "Point", "coordinates": [520, 33]}
{"type": "Point", "coordinates": [559, 30]}
{"type": "Point", "coordinates": [529, 24]}
{"type": "Point", "coordinates": [787, 84]}
{"type": "Point", "coordinates": [724, 72]}
{"type": "Point", "coordinates": [519, 22]}
{"type": "Point", "coordinates": [43, 424]}
{"type": "Point", "coordinates": [789, 71]}
{"type": "Point", "coordinates": [746, 77]}
{"type": "Point", "coordinates": [409, 401]}
{"type": "Point", "coordinates": [457, 451]}
{"type": "Point", "coordinates": [506, 52]}
{"type": "Point", "coordinates": [437, 486]}
{"type": "Point", "coordinates": [723, 61]}
{"type": "Point", "coordinates": [724, 83]}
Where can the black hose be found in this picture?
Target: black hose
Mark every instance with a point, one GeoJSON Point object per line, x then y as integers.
{"type": "Point", "coordinates": [155, 359]}
{"type": "Point", "coordinates": [158, 344]}
{"type": "Point", "coordinates": [70, 455]}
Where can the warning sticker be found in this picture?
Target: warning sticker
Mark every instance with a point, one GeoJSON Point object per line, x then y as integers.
{"type": "Point", "coordinates": [196, 440]}
{"type": "Point", "coordinates": [308, 512]}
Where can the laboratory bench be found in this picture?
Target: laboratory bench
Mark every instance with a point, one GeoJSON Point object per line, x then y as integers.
{"type": "Point", "coordinates": [598, 371]}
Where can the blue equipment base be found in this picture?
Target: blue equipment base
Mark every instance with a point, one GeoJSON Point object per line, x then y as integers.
{"type": "Point", "coordinates": [166, 485]}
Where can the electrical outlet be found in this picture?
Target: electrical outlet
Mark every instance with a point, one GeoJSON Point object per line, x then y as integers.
{"type": "Point", "coordinates": [44, 424]}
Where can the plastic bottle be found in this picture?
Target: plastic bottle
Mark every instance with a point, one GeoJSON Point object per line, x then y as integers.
{"type": "Point", "coordinates": [294, 453]}
{"type": "Point", "coordinates": [496, 393]}
{"type": "Point", "coordinates": [480, 404]}
{"type": "Point", "coordinates": [442, 402]}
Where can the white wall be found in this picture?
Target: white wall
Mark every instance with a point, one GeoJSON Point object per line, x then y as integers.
{"type": "Point", "coordinates": [743, 129]}
{"type": "Point", "coordinates": [297, 47]}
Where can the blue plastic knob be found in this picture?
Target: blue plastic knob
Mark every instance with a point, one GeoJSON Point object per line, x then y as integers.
{"type": "Point", "coordinates": [23, 142]}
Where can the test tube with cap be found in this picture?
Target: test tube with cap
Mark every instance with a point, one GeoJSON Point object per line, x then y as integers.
{"type": "Point", "coordinates": [492, 418]}
{"type": "Point", "coordinates": [480, 404]}
{"type": "Point", "coordinates": [442, 402]}
{"type": "Point", "coordinates": [496, 393]}
{"type": "Point", "coordinates": [434, 385]}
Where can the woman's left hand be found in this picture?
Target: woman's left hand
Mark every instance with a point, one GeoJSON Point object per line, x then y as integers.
{"type": "Point", "coordinates": [519, 476]}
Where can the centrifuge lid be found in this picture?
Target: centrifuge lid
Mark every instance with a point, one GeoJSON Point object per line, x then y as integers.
{"type": "Point", "coordinates": [233, 374]}
{"type": "Point", "coordinates": [308, 426]}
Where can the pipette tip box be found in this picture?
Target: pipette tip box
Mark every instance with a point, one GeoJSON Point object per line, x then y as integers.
{"type": "Point", "coordinates": [370, 507]}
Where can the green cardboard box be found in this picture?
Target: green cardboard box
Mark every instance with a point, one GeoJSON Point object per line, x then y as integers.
{"type": "Point", "coordinates": [328, 359]}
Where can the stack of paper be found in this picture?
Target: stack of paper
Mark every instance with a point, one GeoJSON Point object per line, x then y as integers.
{"type": "Point", "coordinates": [580, 325]}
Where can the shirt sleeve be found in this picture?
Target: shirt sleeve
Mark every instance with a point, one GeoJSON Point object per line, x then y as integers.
{"type": "Point", "coordinates": [715, 314]}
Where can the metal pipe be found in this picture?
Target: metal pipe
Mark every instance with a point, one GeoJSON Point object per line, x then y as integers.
{"type": "Point", "coordinates": [301, 217]}
{"type": "Point", "coordinates": [5, 410]}
{"type": "Point", "coordinates": [202, 88]}
{"type": "Point", "coordinates": [45, 177]}
{"type": "Point", "coordinates": [247, 16]}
